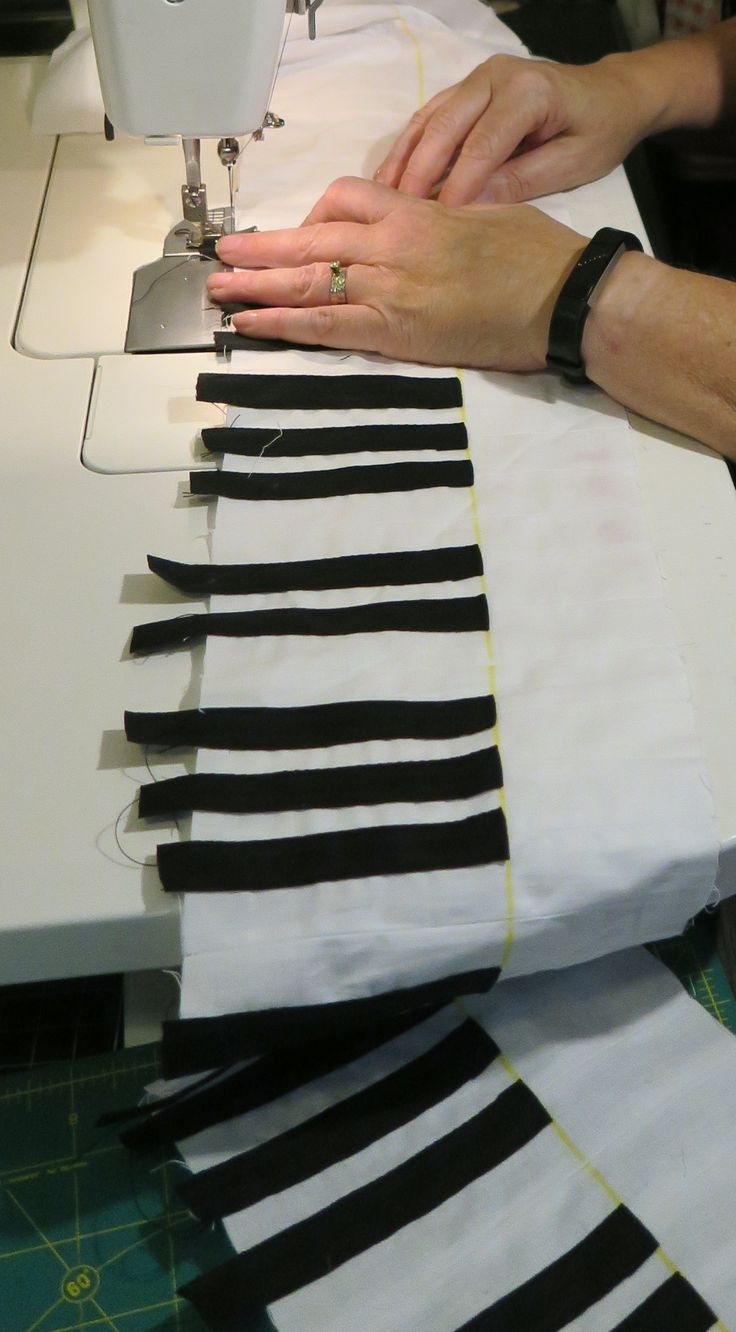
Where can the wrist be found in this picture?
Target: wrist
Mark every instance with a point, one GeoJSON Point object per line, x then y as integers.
{"type": "Point", "coordinates": [595, 266]}
{"type": "Point", "coordinates": [641, 87]}
{"type": "Point", "coordinates": [659, 340]}
{"type": "Point", "coordinates": [672, 84]}
{"type": "Point", "coordinates": [618, 317]}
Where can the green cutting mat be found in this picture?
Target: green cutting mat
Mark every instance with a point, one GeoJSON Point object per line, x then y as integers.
{"type": "Point", "coordinates": [693, 958]}
{"type": "Point", "coordinates": [92, 1235]}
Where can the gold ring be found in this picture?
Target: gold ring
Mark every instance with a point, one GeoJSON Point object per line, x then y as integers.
{"type": "Point", "coordinates": [338, 281]}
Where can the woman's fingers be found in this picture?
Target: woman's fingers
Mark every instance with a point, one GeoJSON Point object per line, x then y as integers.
{"type": "Point", "coordinates": [297, 246]}
{"type": "Point", "coordinates": [543, 170]}
{"type": "Point", "coordinates": [301, 287]}
{"type": "Point", "coordinates": [352, 327]}
{"type": "Point", "coordinates": [290, 270]}
{"type": "Point", "coordinates": [338, 227]}
{"type": "Point", "coordinates": [352, 199]}
{"type": "Point", "coordinates": [490, 144]}
{"type": "Point", "coordinates": [394, 164]}
{"type": "Point", "coordinates": [445, 130]}
{"type": "Point", "coordinates": [470, 131]}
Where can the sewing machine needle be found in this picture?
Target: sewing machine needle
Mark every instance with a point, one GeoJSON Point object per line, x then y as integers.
{"type": "Point", "coordinates": [230, 188]}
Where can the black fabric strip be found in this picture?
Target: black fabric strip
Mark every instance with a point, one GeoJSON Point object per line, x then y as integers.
{"type": "Point", "coordinates": [317, 726]}
{"type": "Point", "coordinates": [673, 1307]}
{"type": "Point", "coordinates": [449, 615]}
{"type": "Point", "coordinates": [257, 442]}
{"type": "Point", "coordinates": [342, 1129]}
{"type": "Point", "coordinates": [564, 1290]}
{"type": "Point", "coordinates": [356, 853]}
{"type": "Point", "coordinates": [394, 569]}
{"type": "Point", "coordinates": [325, 788]}
{"type": "Point", "coordinates": [192, 1044]}
{"type": "Point", "coordinates": [381, 479]}
{"type": "Point", "coordinates": [313, 392]}
{"type": "Point", "coordinates": [315, 1247]}
{"type": "Point", "coordinates": [265, 1080]}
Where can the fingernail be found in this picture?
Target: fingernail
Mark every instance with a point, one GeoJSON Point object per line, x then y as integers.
{"type": "Point", "coordinates": [224, 246]}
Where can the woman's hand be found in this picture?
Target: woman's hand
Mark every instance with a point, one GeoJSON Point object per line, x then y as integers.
{"type": "Point", "coordinates": [516, 129]}
{"type": "Point", "coordinates": [472, 286]}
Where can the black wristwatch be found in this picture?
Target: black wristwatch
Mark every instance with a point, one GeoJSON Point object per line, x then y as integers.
{"type": "Point", "coordinates": [572, 306]}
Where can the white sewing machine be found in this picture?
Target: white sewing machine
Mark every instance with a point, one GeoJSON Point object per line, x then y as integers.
{"type": "Point", "coordinates": [94, 433]}
{"type": "Point", "coordinates": [214, 82]}
{"type": "Point", "coordinates": [131, 274]}
{"type": "Point", "coordinates": [91, 434]}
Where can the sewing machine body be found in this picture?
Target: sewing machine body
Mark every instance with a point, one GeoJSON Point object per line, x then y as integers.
{"type": "Point", "coordinates": [90, 436]}
{"type": "Point", "coordinates": [178, 69]}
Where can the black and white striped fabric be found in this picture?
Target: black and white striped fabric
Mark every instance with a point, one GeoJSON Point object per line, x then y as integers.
{"type": "Point", "coordinates": [376, 1159]}
{"type": "Point", "coordinates": [349, 828]}
{"type": "Point", "coordinates": [349, 842]}
{"type": "Point", "coordinates": [382, 1160]}
{"type": "Point", "coordinates": [411, 1179]}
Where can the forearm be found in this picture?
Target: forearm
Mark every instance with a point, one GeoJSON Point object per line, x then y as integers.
{"type": "Point", "coordinates": [662, 341]}
{"type": "Point", "coordinates": [688, 82]}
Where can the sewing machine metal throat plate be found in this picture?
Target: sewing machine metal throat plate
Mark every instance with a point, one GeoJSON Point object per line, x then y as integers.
{"type": "Point", "coordinates": [170, 309]}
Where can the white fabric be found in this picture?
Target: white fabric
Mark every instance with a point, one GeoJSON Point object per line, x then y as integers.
{"type": "Point", "coordinates": [609, 815]}
{"type": "Point", "coordinates": [284, 1209]}
{"type": "Point", "coordinates": [368, 949]}
{"type": "Point", "coordinates": [641, 1084]}
{"type": "Point", "coordinates": [255, 949]}
{"type": "Point", "coordinates": [437, 1284]}
{"type": "Point", "coordinates": [604, 777]}
{"type": "Point", "coordinates": [644, 1082]}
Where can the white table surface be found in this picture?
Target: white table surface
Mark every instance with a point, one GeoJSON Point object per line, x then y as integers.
{"type": "Point", "coordinates": [73, 582]}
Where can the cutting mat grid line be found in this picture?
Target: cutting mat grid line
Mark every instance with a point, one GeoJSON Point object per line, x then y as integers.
{"type": "Point", "coordinates": [92, 1235]}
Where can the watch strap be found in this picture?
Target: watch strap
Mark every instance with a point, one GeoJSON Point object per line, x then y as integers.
{"type": "Point", "coordinates": [572, 307]}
